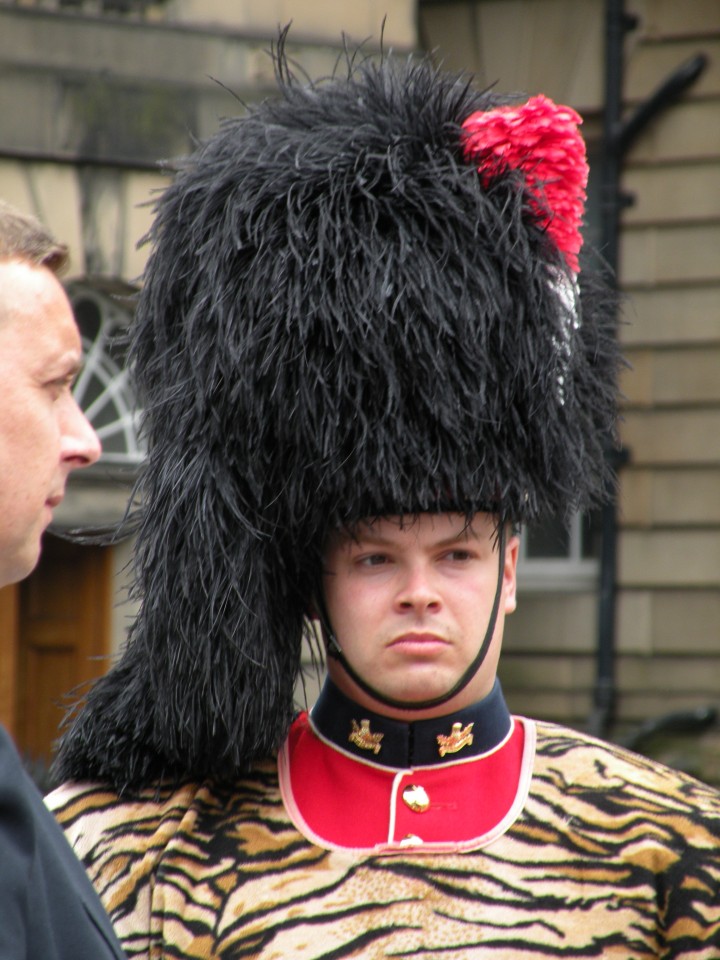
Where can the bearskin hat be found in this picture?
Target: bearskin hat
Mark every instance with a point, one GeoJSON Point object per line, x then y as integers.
{"type": "Point", "coordinates": [362, 300]}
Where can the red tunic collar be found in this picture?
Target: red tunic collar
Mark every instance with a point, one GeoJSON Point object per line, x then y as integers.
{"type": "Point", "coordinates": [341, 801]}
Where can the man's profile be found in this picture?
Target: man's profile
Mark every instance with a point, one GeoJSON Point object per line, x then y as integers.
{"type": "Point", "coordinates": [48, 908]}
{"type": "Point", "coordinates": [43, 433]}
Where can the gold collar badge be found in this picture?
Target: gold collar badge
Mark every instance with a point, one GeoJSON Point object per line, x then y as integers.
{"type": "Point", "coordinates": [363, 737]}
{"type": "Point", "coordinates": [458, 738]}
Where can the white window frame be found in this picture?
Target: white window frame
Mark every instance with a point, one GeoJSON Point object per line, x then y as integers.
{"type": "Point", "coordinates": [559, 574]}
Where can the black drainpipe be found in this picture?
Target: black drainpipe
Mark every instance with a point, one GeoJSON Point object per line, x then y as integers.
{"type": "Point", "coordinates": [618, 136]}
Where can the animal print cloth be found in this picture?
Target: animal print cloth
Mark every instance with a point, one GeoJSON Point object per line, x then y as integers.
{"type": "Point", "coordinates": [610, 856]}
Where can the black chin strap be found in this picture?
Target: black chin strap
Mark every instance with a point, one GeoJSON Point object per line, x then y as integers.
{"type": "Point", "coordinates": [336, 653]}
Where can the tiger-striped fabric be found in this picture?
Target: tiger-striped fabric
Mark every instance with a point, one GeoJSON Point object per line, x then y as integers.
{"type": "Point", "coordinates": [612, 856]}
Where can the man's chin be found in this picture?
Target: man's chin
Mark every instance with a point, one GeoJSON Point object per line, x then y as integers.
{"type": "Point", "coordinates": [414, 694]}
{"type": "Point", "coordinates": [416, 683]}
{"type": "Point", "coordinates": [20, 565]}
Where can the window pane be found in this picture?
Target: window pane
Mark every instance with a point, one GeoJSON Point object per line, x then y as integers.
{"type": "Point", "coordinates": [590, 534]}
{"type": "Point", "coordinates": [549, 540]}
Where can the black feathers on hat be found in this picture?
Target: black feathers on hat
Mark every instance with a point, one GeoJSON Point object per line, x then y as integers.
{"type": "Point", "coordinates": [338, 320]}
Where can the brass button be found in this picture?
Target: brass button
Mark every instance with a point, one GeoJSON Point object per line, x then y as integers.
{"type": "Point", "coordinates": [410, 840]}
{"type": "Point", "coordinates": [416, 798]}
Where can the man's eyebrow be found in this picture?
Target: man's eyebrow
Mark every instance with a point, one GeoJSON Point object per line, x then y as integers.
{"type": "Point", "coordinates": [359, 537]}
{"type": "Point", "coordinates": [467, 533]}
{"type": "Point", "coordinates": [370, 538]}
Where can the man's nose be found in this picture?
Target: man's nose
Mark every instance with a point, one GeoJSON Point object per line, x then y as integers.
{"type": "Point", "coordinates": [418, 589]}
{"type": "Point", "coordinates": [80, 444]}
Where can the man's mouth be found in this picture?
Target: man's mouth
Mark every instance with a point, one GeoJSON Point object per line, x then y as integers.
{"type": "Point", "coordinates": [419, 641]}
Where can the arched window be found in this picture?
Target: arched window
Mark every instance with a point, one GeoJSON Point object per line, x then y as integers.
{"type": "Point", "coordinates": [102, 389]}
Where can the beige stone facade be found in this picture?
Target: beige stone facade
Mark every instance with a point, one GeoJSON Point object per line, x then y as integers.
{"type": "Point", "coordinates": [669, 613]}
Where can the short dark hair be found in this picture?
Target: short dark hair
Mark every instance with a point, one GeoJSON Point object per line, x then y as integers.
{"type": "Point", "coordinates": [23, 237]}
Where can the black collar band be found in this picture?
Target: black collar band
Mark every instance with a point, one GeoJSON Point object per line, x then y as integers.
{"type": "Point", "coordinates": [412, 744]}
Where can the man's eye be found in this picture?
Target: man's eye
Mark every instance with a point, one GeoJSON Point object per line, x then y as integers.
{"type": "Point", "coordinates": [459, 556]}
{"type": "Point", "coordinates": [61, 384]}
{"type": "Point", "coordinates": [55, 387]}
{"type": "Point", "coordinates": [373, 560]}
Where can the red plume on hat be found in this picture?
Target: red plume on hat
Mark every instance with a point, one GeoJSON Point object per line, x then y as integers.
{"type": "Point", "coordinates": [542, 140]}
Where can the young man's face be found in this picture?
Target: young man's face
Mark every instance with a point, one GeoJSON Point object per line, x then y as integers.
{"type": "Point", "coordinates": [410, 604]}
{"type": "Point", "coordinates": [43, 433]}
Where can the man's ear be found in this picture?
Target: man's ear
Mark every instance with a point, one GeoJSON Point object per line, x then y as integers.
{"type": "Point", "coordinates": [512, 551]}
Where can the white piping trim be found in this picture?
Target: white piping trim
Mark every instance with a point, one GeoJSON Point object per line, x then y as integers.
{"type": "Point", "coordinates": [393, 804]}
